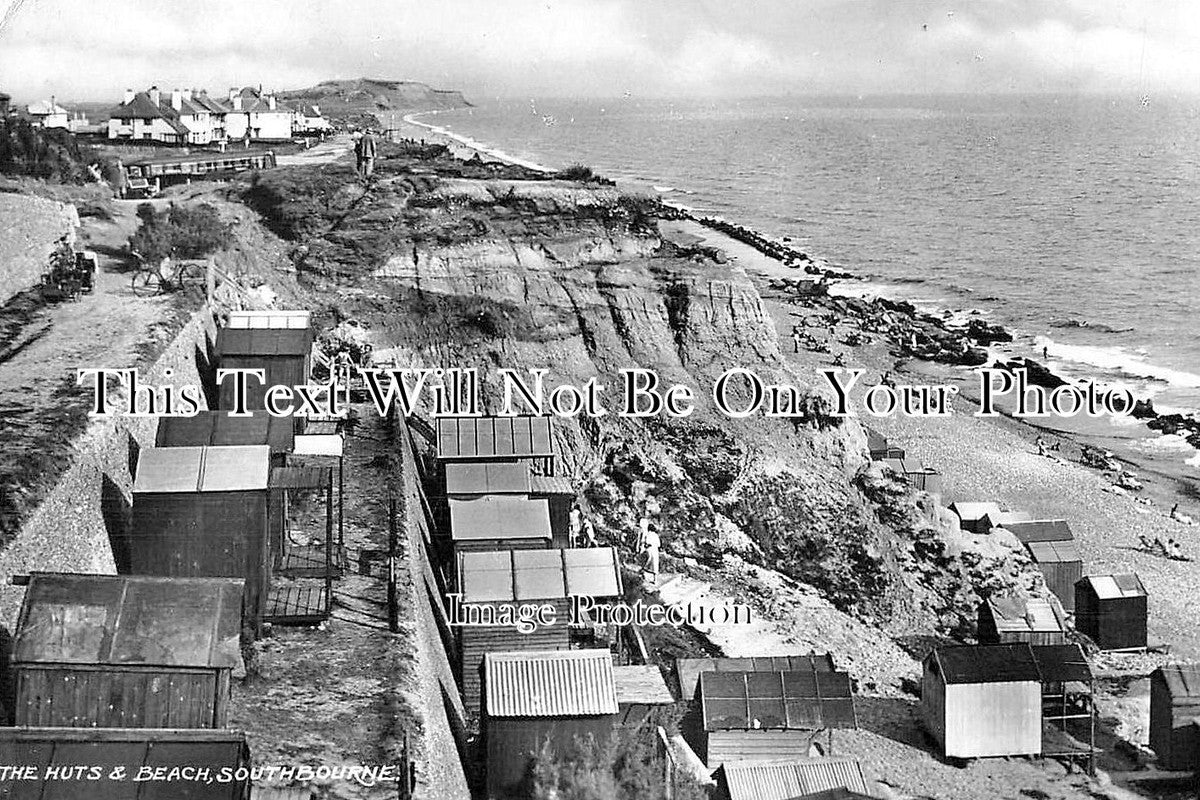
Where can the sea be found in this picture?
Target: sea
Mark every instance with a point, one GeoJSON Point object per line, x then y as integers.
{"type": "Point", "coordinates": [1073, 220]}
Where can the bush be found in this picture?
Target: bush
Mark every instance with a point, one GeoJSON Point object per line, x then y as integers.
{"type": "Point", "coordinates": [54, 155]}
{"type": "Point", "coordinates": [178, 232]}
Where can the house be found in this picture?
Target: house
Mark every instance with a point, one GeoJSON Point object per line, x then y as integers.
{"type": "Point", "coordinates": [972, 516]}
{"type": "Point", "coordinates": [536, 700]}
{"type": "Point", "coordinates": [641, 690]}
{"type": "Point", "coordinates": [499, 522]}
{"type": "Point", "coordinates": [49, 114]}
{"type": "Point", "coordinates": [258, 115]}
{"type": "Point", "coordinates": [492, 580]}
{"type": "Point", "coordinates": [916, 474]}
{"type": "Point", "coordinates": [1174, 711]}
{"type": "Point", "coordinates": [1068, 702]}
{"type": "Point", "coordinates": [143, 116]}
{"type": "Point", "coordinates": [307, 120]}
{"type": "Point", "coordinates": [980, 701]}
{"type": "Point", "coordinates": [1005, 620]}
{"type": "Point", "coordinates": [118, 651]}
{"type": "Point", "coordinates": [219, 429]}
{"type": "Point", "coordinates": [1112, 610]}
{"type": "Point", "coordinates": [1051, 545]}
{"type": "Point", "coordinates": [497, 439]}
{"type": "Point", "coordinates": [822, 778]}
{"type": "Point", "coordinates": [284, 354]}
{"type": "Point", "coordinates": [878, 447]}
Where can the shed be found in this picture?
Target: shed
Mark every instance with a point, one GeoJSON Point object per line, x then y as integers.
{"type": "Point", "coordinates": [1068, 702]}
{"type": "Point", "coordinates": [1002, 518]}
{"type": "Point", "coordinates": [1061, 566]}
{"type": "Point", "coordinates": [640, 690]}
{"type": "Point", "coordinates": [760, 716]}
{"type": "Point", "coordinates": [689, 669]}
{"type": "Point", "coordinates": [972, 516]}
{"type": "Point", "coordinates": [497, 522]}
{"type": "Point", "coordinates": [57, 750]}
{"type": "Point", "coordinates": [327, 448]}
{"type": "Point", "coordinates": [219, 429]}
{"type": "Point", "coordinates": [533, 698]}
{"type": "Point", "coordinates": [792, 780]}
{"type": "Point", "coordinates": [878, 446]}
{"type": "Point", "coordinates": [1174, 711]}
{"type": "Point", "coordinates": [1112, 610]}
{"type": "Point", "coordinates": [916, 474]}
{"type": "Point", "coordinates": [487, 477]}
{"type": "Point", "coordinates": [499, 578]}
{"type": "Point", "coordinates": [980, 701]}
{"type": "Point", "coordinates": [1005, 620]}
{"type": "Point", "coordinates": [284, 354]}
{"type": "Point", "coordinates": [497, 439]}
{"type": "Point", "coordinates": [116, 651]}
{"type": "Point", "coordinates": [560, 496]}
{"type": "Point", "coordinates": [201, 512]}
{"type": "Point", "coordinates": [271, 319]}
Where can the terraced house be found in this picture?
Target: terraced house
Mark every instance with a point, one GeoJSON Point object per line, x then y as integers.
{"type": "Point", "coordinates": [188, 117]}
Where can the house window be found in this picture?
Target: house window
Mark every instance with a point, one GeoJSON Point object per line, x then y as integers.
{"type": "Point", "coordinates": [147, 135]}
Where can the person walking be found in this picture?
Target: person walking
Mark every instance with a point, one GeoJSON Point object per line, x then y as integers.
{"type": "Point", "coordinates": [574, 525]}
{"type": "Point", "coordinates": [366, 155]}
{"type": "Point", "coordinates": [589, 534]}
{"type": "Point", "coordinates": [651, 547]}
{"type": "Point", "coordinates": [795, 338]}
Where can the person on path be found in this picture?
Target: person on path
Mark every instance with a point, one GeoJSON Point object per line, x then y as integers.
{"type": "Point", "coordinates": [589, 534]}
{"type": "Point", "coordinates": [651, 547]}
{"type": "Point", "coordinates": [365, 150]}
{"type": "Point", "coordinates": [574, 526]}
{"type": "Point", "coordinates": [795, 339]}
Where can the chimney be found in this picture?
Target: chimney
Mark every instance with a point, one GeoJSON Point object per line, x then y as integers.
{"type": "Point", "coordinates": [237, 102]}
{"type": "Point", "coordinates": [232, 94]}
{"type": "Point", "coordinates": [177, 100]}
{"type": "Point", "coordinates": [128, 96]}
{"type": "Point", "coordinates": [271, 102]}
{"type": "Point", "coordinates": [187, 95]}
{"type": "Point", "coordinates": [53, 104]}
{"type": "Point", "coordinates": [155, 96]}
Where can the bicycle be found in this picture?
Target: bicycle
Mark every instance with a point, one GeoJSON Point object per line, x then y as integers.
{"type": "Point", "coordinates": [166, 276]}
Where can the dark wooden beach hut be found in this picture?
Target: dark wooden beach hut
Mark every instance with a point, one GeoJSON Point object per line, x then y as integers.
{"type": "Point", "coordinates": [525, 438]}
{"type": "Point", "coordinates": [1051, 545]}
{"type": "Point", "coordinates": [284, 355]}
{"type": "Point", "coordinates": [494, 579]}
{"type": "Point", "coordinates": [499, 522]}
{"type": "Point", "coordinates": [1068, 703]}
{"type": "Point", "coordinates": [1112, 611]}
{"type": "Point", "coordinates": [916, 474]}
{"type": "Point", "coordinates": [980, 701]}
{"type": "Point", "coordinates": [972, 517]}
{"type": "Point", "coordinates": [51, 752]}
{"type": "Point", "coordinates": [1007, 620]}
{"type": "Point", "coordinates": [878, 446]}
{"type": "Point", "coordinates": [641, 690]}
{"type": "Point", "coordinates": [117, 651]}
{"type": "Point", "coordinates": [201, 512]}
{"type": "Point", "coordinates": [532, 699]}
{"type": "Point", "coordinates": [559, 496]}
{"type": "Point", "coordinates": [219, 429]}
{"type": "Point", "coordinates": [1174, 712]}
{"type": "Point", "coordinates": [833, 778]}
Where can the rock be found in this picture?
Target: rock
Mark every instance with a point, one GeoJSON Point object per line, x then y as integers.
{"type": "Point", "coordinates": [1143, 409]}
{"type": "Point", "coordinates": [986, 333]}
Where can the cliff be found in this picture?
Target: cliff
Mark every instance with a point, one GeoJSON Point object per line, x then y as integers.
{"type": "Point", "coordinates": [348, 100]}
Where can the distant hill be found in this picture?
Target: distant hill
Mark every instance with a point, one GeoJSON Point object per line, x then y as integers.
{"type": "Point", "coordinates": [351, 100]}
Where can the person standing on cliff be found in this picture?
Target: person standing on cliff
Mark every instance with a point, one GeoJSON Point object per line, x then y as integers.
{"type": "Point", "coordinates": [795, 338]}
{"type": "Point", "coordinates": [365, 150]}
{"type": "Point", "coordinates": [651, 545]}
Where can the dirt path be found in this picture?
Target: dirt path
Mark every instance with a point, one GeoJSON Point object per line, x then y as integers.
{"type": "Point", "coordinates": [323, 153]}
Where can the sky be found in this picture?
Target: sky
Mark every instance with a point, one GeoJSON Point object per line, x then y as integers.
{"type": "Point", "coordinates": [94, 49]}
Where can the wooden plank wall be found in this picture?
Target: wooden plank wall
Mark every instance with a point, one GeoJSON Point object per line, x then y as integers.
{"type": "Point", "coordinates": [121, 698]}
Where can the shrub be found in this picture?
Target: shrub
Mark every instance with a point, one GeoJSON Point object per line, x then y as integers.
{"type": "Point", "coordinates": [179, 232]}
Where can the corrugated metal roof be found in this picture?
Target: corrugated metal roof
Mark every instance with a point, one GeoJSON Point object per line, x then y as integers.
{"type": "Point", "coordinates": [1062, 663]}
{"type": "Point", "coordinates": [641, 684]}
{"type": "Point", "coordinates": [994, 663]}
{"type": "Point", "coordinates": [1054, 552]}
{"type": "Point", "coordinates": [1020, 614]}
{"type": "Point", "coordinates": [219, 429]}
{"type": "Point", "coordinates": [517, 575]}
{"type": "Point", "coordinates": [562, 683]}
{"type": "Point", "coordinates": [202, 469]}
{"type": "Point", "coordinates": [301, 477]}
{"type": "Point", "coordinates": [973, 512]}
{"type": "Point", "coordinates": [272, 319]}
{"type": "Point", "coordinates": [806, 700]}
{"type": "Point", "coordinates": [1041, 530]}
{"type": "Point", "coordinates": [545, 485]}
{"type": "Point", "coordinates": [1183, 680]}
{"type": "Point", "coordinates": [494, 437]}
{"type": "Point", "coordinates": [263, 342]}
{"type": "Point", "coordinates": [756, 780]}
{"type": "Point", "coordinates": [1114, 587]}
{"type": "Point", "coordinates": [689, 669]}
{"type": "Point", "coordinates": [488, 477]}
{"type": "Point", "coordinates": [498, 517]}
{"type": "Point", "coordinates": [126, 620]}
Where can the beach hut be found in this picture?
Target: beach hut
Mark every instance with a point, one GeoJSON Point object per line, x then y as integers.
{"type": "Point", "coordinates": [641, 691]}
{"type": "Point", "coordinates": [1174, 710]}
{"type": "Point", "coordinates": [326, 448]}
{"type": "Point", "coordinates": [916, 474]}
{"type": "Point", "coordinates": [1000, 518]}
{"type": "Point", "coordinates": [201, 512]}
{"type": "Point", "coordinates": [559, 496]}
{"type": "Point", "coordinates": [284, 355]}
{"type": "Point", "coordinates": [490, 581]}
{"type": "Point", "coordinates": [980, 701]}
{"type": "Point", "coordinates": [972, 516]}
{"type": "Point", "coordinates": [304, 558]}
{"type": "Point", "coordinates": [499, 522]}
{"type": "Point", "coordinates": [536, 699]}
{"type": "Point", "coordinates": [116, 651]}
{"type": "Point", "coordinates": [760, 716]}
{"type": "Point", "coordinates": [219, 429]}
{"type": "Point", "coordinates": [49, 753]}
{"type": "Point", "coordinates": [878, 446]}
{"type": "Point", "coordinates": [1006, 620]}
{"type": "Point", "coordinates": [1068, 702]}
{"type": "Point", "coordinates": [823, 778]}
{"type": "Point", "coordinates": [474, 478]}
{"type": "Point", "coordinates": [1112, 611]}
{"type": "Point", "coordinates": [497, 439]}
{"type": "Point", "coordinates": [688, 670]}
{"type": "Point", "coordinates": [1051, 545]}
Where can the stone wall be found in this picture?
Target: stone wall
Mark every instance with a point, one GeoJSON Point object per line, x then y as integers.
{"type": "Point", "coordinates": [29, 229]}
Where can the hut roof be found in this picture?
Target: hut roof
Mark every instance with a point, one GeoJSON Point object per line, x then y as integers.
{"type": "Point", "coordinates": [1065, 552]}
{"type": "Point", "coordinates": [301, 477]}
{"type": "Point", "coordinates": [805, 700]}
{"type": "Point", "coordinates": [202, 469]}
{"type": "Point", "coordinates": [494, 437]}
{"type": "Point", "coordinates": [1062, 663]}
{"type": "Point", "coordinates": [908, 466]}
{"type": "Point", "coordinates": [550, 484]}
{"type": "Point", "coordinates": [123, 620]}
{"type": "Point", "coordinates": [994, 663]}
{"type": "Point", "coordinates": [559, 683]}
{"type": "Point", "coordinates": [689, 669]}
{"type": "Point", "coordinates": [1182, 680]}
{"type": "Point", "coordinates": [641, 684]}
{"type": "Point", "coordinates": [264, 342]}
{"type": "Point", "coordinates": [972, 512]}
{"type": "Point", "coordinates": [271, 319]}
{"type": "Point", "coordinates": [759, 780]}
{"type": "Point", "coordinates": [1025, 615]}
{"type": "Point", "coordinates": [219, 429]}
{"type": "Point", "coordinates": [1040, 530]}
{"type": "Point", "coordinates": [498, 517]}
{"type": "Point", "coordinates": [517, 575]}
{"type": "Point", "coordinates": [488, 477]}
{"type": "Point", "coordinates": [319, 444]}
{"type": "Point", "coordinates": [1115, 587]}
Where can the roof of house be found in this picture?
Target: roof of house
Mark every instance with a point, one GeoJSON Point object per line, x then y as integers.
{"type": "Point", "coordinates": [202, 469]}
{"type": "Point", "coordinates": [1040, 530]}
{"type": "Point", "coordinates": [1182, 680]}
{"type": "Point", "coordinates": [689, 669]}
{"type": "Point", "coordinates": [1062, 663]}
{"type": "Point", "coordinates": [990, 663]}
{"type": "Point", "coordinates": [498, 516]}
{"type": "Point", "coordinates": [1020, 614]}
{"type": "Point", "coordinates": [790, 780]}
{"type": "Point", "coordinates": [212, 105]}
{"type": "Point", "coordinates": [1115, 587]}
{"type": "Point", "coordinates": [559, 683]}
{"type": "Point", "coordinates": [641, 684]}
{"type": "Point", "coordinates": [518, 575]}
{"type": "Point", "coordinates": [141, 107]}
{"type": "Point", "coordinates": [45, 108]}
{"type": "Point", "coordinates": [264, 341]}
{"type": "Point", "coordinates": [488, 477]}
{"type": "Point", "coordinates": [219, 429]}
{"type": "Point", "coordinates": [494, 437]}
{"type": "Point", "coordinates": [125, 620]}
{"type": "Point", "coordinates": [1066, 552]}
{"type": "Point", "coordinates": [804, 700]}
